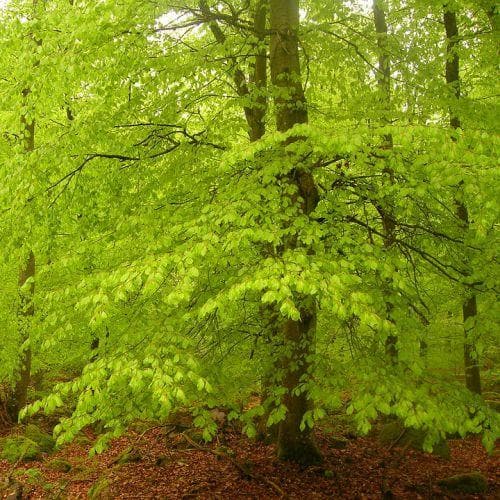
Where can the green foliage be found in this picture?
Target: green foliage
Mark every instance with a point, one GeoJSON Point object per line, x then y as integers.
{"type": "Point", "coordinates": [163, 237]}
{"type": "Point", "coordinates": [128, 455]}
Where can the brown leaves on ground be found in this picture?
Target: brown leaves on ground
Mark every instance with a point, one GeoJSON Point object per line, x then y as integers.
{"type": "Point", "coordinates": [169, 465]}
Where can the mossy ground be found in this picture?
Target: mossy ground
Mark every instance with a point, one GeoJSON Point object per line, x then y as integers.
{"type": "Point", "coordinates": [472, 483]}
{"type": "Point", "coordinates": [395, 433]}
{"type": "Point", "coordinates": [19, 448]}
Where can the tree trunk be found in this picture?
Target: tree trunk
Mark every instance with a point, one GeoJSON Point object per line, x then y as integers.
{"type": "Point", "coordinates": [294, 443]}
{"type": "Point", "coordinates": [255, 87]}
{"type": "Point", "coordinates": [256, 116]}
{"type": "Point", "coordinates": [256, 110]}
{"type": "Point", "coordinates": [19, 396]}
{"type": "Point", "coordinates": [471, 357]}
{"type": "Point", "coordinates": [26, 272]}
{"type": "Point", "coordinates": [384, 89]}
{"type": "Point", "coordinates": [469, 306]}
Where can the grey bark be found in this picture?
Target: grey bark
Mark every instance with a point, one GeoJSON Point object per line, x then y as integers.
{"type": "Point", "coordinates": [294, 443]}
{"type": "Point", "coordinates": [469, 306]}
{"type": "Point", "coordinates": [384, 88]}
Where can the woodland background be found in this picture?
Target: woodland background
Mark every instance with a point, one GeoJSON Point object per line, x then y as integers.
{"type": "Point", "coordinates": [282, 212]}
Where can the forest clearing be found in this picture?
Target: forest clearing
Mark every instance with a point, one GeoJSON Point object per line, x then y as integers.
{"type": "Point", "coordinates": [249, 249]}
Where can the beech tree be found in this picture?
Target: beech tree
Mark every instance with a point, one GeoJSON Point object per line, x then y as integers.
{"type": "Point", "coordinates": [251, 196]}
{"type": "Point", "coordinates": [17, 399]}
{"type": "Point", "coordinates": [469, 307]}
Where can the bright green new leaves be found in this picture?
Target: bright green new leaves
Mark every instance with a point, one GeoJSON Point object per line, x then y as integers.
{"type": "Point", "coordinates": [165, 240]}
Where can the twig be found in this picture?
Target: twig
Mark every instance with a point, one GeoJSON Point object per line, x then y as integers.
{"type": "Point", "coordinates": [397, 440]}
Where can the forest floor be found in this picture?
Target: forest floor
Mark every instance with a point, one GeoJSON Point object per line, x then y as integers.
{"type": "Point", "coordinates": [164, 462]}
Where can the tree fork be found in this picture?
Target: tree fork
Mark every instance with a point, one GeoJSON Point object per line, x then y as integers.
{"type": "Point", "coordinates": [256, 111]}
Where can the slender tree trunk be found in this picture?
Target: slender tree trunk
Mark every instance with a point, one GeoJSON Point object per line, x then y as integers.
{"type": "Point", "coordinates": [19, 396]}
{"type": "Point", "coordinates": [255, 87]}
{"type": "Point", "coordinates": [27, 309]}
{"type": "Point", "coordinates": [26, 272]}
{"type": "Point", "coordinates": [469, 306]}
{"type": "Point", "coordinates": [256, 117]}
{"type": "Point", "coordinates": [384, 83]}
{"type": "Point", "coordinates": [384, 67]}
{"type": "Point", "coordinates": [256, 110]}
{"type": "Point", "coordinates": [384, 89]}
{"type": "Point", "coordinates": [294, 443]}
{"type": "Point", "coordinates": [257, 128]}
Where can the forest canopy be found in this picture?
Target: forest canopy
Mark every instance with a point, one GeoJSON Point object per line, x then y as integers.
{"type": "Point", "coordinates": [207, 202]}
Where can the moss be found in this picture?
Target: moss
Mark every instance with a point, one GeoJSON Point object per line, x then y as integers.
{"type": "Point", "coordinates": [84, 468]}
{"type": "Point", "coordinates": [163, 460]}
{"type": "Point", "coordinates": [141, 426]}
{"type": "Point", "coordinates": [33, 476]}
{"type": "Point", "coordinates": [17, 448]}
{"type": "Point", "coordinates": [395, 432]}
{"type": "Point", "coordinates": [83, 473]}
{"type": "Point", "coordinates": [99, 490]}
{"type": "Point", "coordinates": [341, 425]}
{"type": "Point", "coordinates": [59, 465]}
{"type": "Point", "coordinates": [45, 441]}
{"type": "Point", "coordinates": [225, 450]}
{"type": "Point", "coordinates": [196, 435]}
{"type": "Point", "coordinates": [48, 486]}
{"type": "Point", "coordinates": [127, 456]}
{"type": "Point", "coordinates": [472, 483]}
{"type": "Point", "coordinates": [99, 427]}
{"type": "Point", "coordinates": [441, 449]}
{"type": "Point", "coordinates": [181, 418]}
